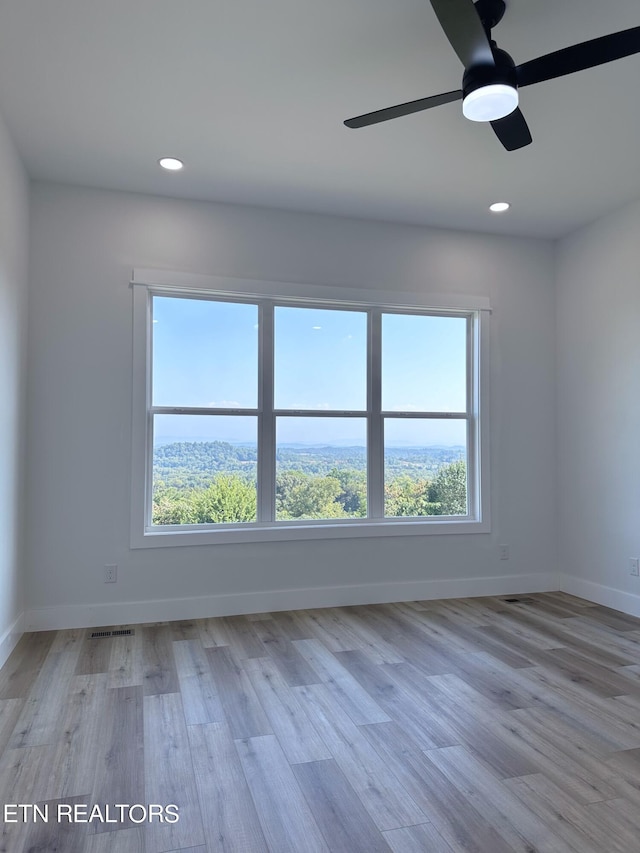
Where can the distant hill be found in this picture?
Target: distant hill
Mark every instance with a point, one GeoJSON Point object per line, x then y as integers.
{"type": "Point", "coordinates": [188, 464]}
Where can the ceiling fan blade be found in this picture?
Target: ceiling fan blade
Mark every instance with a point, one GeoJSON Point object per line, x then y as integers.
{"type": "Point", "coordinates": [403, 109]}
{"type": "Point", "coordinates": [588, 54]}
{"type": "Point", "coordinates": [462, 26]}
{"type": "Point", "coordinates": [512, 130]}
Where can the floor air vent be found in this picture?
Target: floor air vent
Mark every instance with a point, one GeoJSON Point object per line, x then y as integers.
{"type": "Point", "coordinates": [124, 632]}
{"type": "Point", "coordinates": [522, 600]}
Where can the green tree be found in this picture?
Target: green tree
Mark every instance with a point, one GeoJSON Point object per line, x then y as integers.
{"type": "Point", "coordinates": [405, 497]}
{"type": "Point", "coordinates": [353, 491]}
{"type": "Point", "coordinates": [172, 505]}
{"type": "Point", "coordinates": [449, 489]}
{"type": "Point", "coordinates": [340, 493]}
{"type": "Point", "coordinates": [227, 499]}
{"type": "Point", "coordinates": [300, 495]}
{"type": "Point", "coordinates": [286, 482]}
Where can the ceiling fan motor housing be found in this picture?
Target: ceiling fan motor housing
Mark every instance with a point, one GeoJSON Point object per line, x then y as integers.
{"type": "Point", "coordinates": [503, 72]}
{"type": "Point", "coordinates": [496, 88]}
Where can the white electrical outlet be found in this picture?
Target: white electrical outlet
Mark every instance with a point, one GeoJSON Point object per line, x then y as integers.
{"type": "Point", "coordinates": [634, 567]}
{"type": "Point", "coordinates": [110, 574]}
{"type": "Point", "coordinates": [504, 552]}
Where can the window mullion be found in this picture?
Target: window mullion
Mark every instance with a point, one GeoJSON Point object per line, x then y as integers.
{"type": "Point", "coordinates": [266, 418]}
{"type": "Point", "coordinates": [375, 432]}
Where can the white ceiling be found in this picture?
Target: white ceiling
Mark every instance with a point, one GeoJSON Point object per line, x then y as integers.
{"type": "Point", "coordinates": [252, 95]}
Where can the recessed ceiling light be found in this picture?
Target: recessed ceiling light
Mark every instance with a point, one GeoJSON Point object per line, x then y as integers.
{"type": "Point", "coordinates": [171, 163]}
{"type": "Point", "coordinates": [499, 206]}
{"type": "Point", "coordinates": [316, 327]}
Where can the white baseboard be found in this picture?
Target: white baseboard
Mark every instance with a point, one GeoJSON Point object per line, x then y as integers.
{"type": "Point", "coordinates": [138, 612]}
{"type": "Point", "coordinates": [9, 640]}
{"type": "Point", "coordinates": [626, 602]}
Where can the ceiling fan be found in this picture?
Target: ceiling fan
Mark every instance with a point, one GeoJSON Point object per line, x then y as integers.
{"type": "Point", "coordinates": [491, 78]}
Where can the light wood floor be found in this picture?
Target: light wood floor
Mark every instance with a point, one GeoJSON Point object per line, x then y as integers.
{"type": "Point", "coordinates": [425, 727]}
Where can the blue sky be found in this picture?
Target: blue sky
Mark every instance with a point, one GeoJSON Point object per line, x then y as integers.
{"type": "Point", "coordinates": [206, 354]}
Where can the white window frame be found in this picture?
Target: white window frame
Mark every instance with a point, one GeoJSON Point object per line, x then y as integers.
{"type": "Point", "coordinates": [267, 295]}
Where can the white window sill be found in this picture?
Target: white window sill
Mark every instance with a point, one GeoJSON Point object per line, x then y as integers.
{"type": "Point", "coordinates": [197, 535]}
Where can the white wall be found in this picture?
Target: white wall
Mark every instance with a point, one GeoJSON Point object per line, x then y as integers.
{"type": "Point", "coordinates": [14, 199]}
{"type": "Point", "coordinates": [598, 322]}
{"type": "Point", "coordinates": [84, 245]}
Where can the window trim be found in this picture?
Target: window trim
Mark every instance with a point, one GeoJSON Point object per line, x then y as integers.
{"type": "Point", "coordinates": [146, 283]}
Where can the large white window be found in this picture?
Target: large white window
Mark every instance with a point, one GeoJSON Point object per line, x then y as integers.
{"type": "Point", "coordinates": [259, 414]}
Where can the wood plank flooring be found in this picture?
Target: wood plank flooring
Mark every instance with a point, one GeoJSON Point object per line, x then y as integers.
{"type": "Point", "coordinates": [479, 725]}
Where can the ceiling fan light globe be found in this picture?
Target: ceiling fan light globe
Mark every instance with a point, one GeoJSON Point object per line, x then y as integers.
{"type": "Point", "coordinates": [490, 102]}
